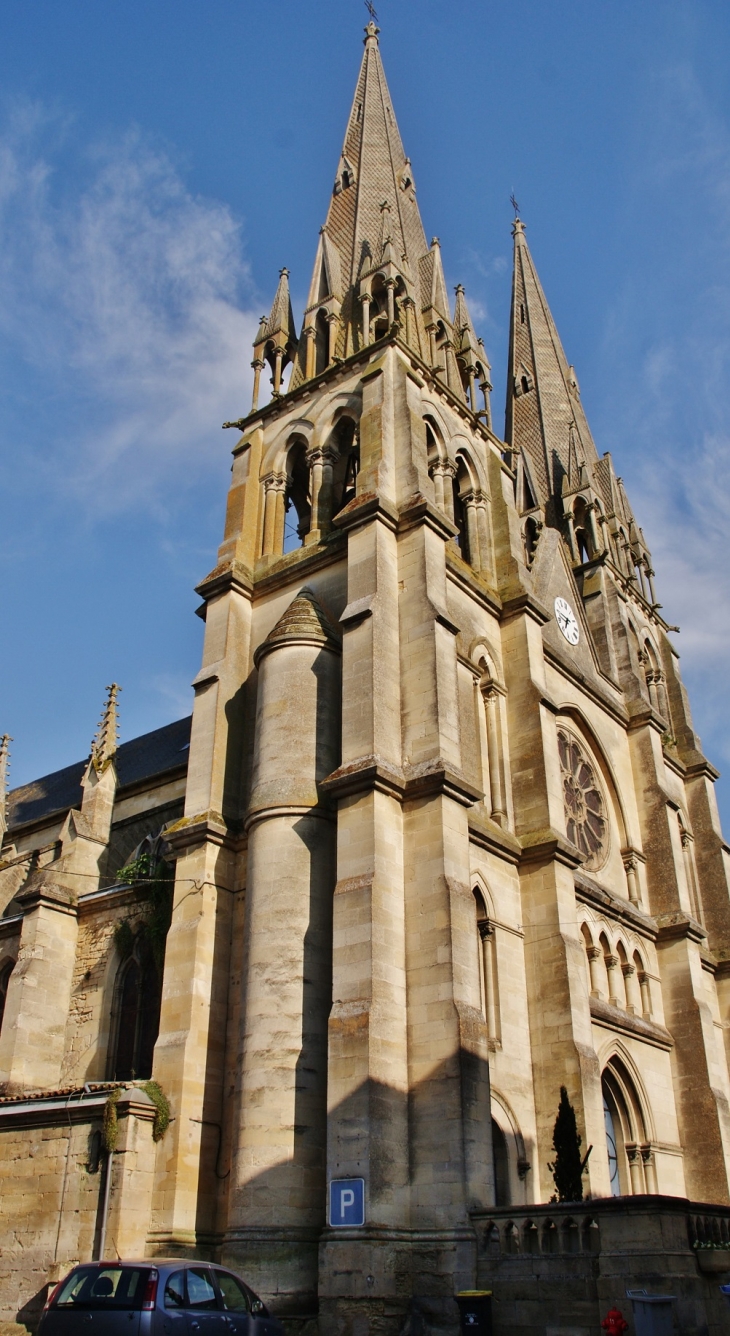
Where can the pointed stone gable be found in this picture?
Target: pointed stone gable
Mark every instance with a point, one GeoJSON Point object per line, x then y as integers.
{"type": "Point", "coordinates": [543, 400]}
{"type": "Point", "coordinates": [305, 622]}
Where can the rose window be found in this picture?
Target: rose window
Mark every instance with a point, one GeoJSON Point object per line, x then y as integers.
{"type": "Point", "coordinates": [585, 819]}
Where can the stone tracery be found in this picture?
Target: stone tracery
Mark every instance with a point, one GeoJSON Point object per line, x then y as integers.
{"type": "Point", "coordinates": [585, 821]}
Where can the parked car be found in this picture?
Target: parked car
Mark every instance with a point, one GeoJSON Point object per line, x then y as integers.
{"type": "Point", "coordinates": [155, 1298]}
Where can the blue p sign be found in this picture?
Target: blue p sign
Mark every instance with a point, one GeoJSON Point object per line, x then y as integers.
{"type": "Point", "coordinates": [347, 1202]}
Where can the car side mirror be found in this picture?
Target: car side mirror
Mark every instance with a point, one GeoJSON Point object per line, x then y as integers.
{"type": "Point", "coordinates": [257, 1306]}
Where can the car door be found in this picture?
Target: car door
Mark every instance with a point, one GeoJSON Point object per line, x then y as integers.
{"type": "Point", "coordinates": [235, 1301]}
{"type": "Point", "coordinates": [204, 1317]}
{"type": "Point", "coordinates": [173, 1304]}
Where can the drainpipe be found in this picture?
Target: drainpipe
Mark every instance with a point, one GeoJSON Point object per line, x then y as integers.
{"type": "Point", "coordinates": [105, 1207]}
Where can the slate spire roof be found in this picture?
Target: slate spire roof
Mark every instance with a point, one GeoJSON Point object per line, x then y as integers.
{"type": "Point", "coordinates": [544, 414]}
{"type": "Point", "coordinates": [372, 240]}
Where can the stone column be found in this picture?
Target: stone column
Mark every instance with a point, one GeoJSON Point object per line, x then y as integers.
{"type": "Point", "coordinates": [645, 987]}
{"type": "Point", "coordinates": [437, 473]}
{"type": "Point", "coordinates": [321, 472]}
{"type": "Point", "coordinates": [491, 694]}
{"type": "Point", "coordinates": [277, 1193]}
{"type": "Point", "coordinates": [592, 528]}
{"type": "Point", "coordinates": [333, 321]}
{"type": "Point", "coordinates": [365, 302]}
{"type": "Point", "coordinates": [612, 963]}
{"type": "Point", "coordinates": [449, 473]}
{"type": "Point", "coordinates": [470, 506]}
{"type": "Point", "coordinates": [390, 290]}
{"type": "Point", "coordinates": [278, 360]}
{"type": "Point", "coordinates": [274, 491]}
{"type": "Point", "coordinates": [647, 1155]}
{"type": "Point", "coordinates": [486, 933]}
{"type": "Point", "coordinates": [636, 1170]}
{"type": "Point", "coordinates": [594, 955]}
{"type": "Point", "coordinates": [483, 529]}
{"type": "Point", "coordinates": [632, 880]}
{"type": "Point", "coordinates": [310, 334]}
{"type": "Point", "coordinates": [258, 366]}
{"type": "Point", "coordinates": [633, 993]}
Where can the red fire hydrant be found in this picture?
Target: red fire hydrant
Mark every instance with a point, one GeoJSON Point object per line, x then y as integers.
{"type": "Point", "coordinates": [614, 1323]}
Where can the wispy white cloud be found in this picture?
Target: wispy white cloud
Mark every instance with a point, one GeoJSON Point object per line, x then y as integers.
{"type": "Point", "coordinates": [126, 298]}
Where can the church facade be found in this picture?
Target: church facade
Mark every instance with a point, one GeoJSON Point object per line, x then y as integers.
{"type": "Point", "coordinates": [439, 840]}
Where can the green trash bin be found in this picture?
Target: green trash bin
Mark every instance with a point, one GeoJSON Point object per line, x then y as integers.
{"type": "Point", "coordinates": [653, 1314]}
{"type": "Point", "coordinates": [475, 1312]}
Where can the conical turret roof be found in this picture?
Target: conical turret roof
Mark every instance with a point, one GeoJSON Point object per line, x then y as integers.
{"type": "Point", "coordinates": [544, 413]}
{"type": "Point", "coordinates": [304, 621]}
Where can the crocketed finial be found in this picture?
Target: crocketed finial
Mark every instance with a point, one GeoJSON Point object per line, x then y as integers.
{"type": "Point", "coordinates": [105, 742]}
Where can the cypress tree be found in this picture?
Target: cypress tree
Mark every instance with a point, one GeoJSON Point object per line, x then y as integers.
{"type": "Point", "coordinates": [567, 1167]}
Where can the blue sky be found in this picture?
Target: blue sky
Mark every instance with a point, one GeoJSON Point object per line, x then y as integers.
{"type": "Point", "coordinates": [160, 162]}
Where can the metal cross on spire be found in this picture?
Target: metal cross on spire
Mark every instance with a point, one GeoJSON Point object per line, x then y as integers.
{"type": "Point", "coordinates": [370, 7]}
{"type": "Point", "coordinates": [514, 204]}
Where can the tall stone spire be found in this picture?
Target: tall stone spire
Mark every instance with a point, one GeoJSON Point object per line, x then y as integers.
{"type": "Point", "coordinates": [373, 269]}
{"type": "Point", "coordinates": [544, 414]}
{"type": "Point", "coordinates": [104, 745]}
{"type": "Point", "coordinates": [5, 741]}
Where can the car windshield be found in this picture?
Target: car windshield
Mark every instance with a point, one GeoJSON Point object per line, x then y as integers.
{"type": "Point", "coordinates": [103, 1287]}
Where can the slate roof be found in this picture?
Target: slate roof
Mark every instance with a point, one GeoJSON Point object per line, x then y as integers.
{"type": "Point", "coordinates": [144, 758]}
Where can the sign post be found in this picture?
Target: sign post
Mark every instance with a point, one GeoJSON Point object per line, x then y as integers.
{"type": "Point", "coordinates": [347, 1203]}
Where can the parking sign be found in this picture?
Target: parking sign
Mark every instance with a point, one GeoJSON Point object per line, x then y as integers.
{"type": "Point", "coordinates": [347, 1202]}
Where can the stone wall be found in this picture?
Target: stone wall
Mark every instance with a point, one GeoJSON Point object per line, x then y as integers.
{"type": "Point", "coordinates": [52, 1176]}
{"type": "Point", "coordinates": [558, 1268]}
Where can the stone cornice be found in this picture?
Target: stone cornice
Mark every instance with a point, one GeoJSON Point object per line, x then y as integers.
{"type": "Point", "coordinates": [588, 892]}
{"type": "Point", "coordinates": [489, 836]}
{"type": "Point", "coordinates": [405, 784]}
{"type": "Point", "coordinates": [469, 582]}
{"type": "Point", "coordinates": [613, 1018]}
{"type": "Point", "coordinates": [364, 508]}
{"type": "Point", "coordinates": [301, 562]}
{"type": "Point", "coordinates": [419, 510]}
{"type": "Point", "coordinates": [542, 846]}
{"type": "Point", "coordinates": [230, 575]}
{"type": "Point", "coordinates": [677, 926]}
{"type": "Point", "coordinates": [524, 603]}
{"type": "Point", "coordinates": [204, 828]}
{"type": "Point", "coordinates": [365, 357]}
{"type": "Point", "coordinates": [51, 896]}
{"type": "Point", "coordinates": [592, 689]}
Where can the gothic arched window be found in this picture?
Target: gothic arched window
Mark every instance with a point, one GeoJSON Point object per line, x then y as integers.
{"type": "Point", "coordinates": [297, 506]}
{"type": "Point", "coordinates": [5, 973]}
{"type": "Point", "coordinates": [136, 1016]}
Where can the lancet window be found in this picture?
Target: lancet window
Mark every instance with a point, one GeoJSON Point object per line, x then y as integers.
{"type": "Point", "coordinates": [488, 979]}
{"type": "Point", "coordinates": [136, 1014]}
{"type": "Point", "coordinates": [297, 503]}
{"type": "Point", "coordinates": [630, 1154]}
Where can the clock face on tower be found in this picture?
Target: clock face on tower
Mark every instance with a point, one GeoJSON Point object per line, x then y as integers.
{"type": "Point", "coordinates": [566, 619]}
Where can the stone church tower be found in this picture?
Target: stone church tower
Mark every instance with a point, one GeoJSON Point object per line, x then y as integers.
{"type": "Point", "coordinates": [444, 839]}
